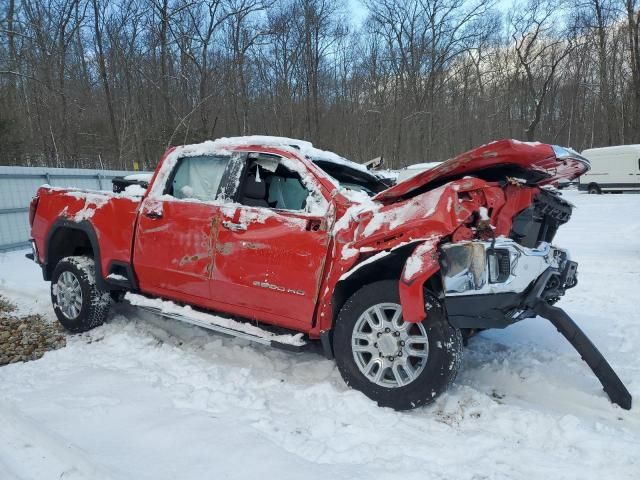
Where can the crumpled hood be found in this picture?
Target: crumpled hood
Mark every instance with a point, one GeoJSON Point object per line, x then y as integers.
{"type": "Point", "coordinates": [434, 213]}
{"type": "Point", "coordinates": [550, 163]}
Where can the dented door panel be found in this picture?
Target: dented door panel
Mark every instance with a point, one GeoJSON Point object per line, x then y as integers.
{"type": "Point", "coordinates": [173, 247]}
{"type": "Point", "coordinates": [269, 261]}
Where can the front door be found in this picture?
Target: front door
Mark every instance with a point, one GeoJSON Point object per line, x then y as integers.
{"type": "Point", "coordinates": [270, 250]}
{"type": "Point", "coordinates": [173, 251]}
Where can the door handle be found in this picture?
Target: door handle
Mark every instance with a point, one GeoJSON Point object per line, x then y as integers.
{"type": "Point", "coordinates": [153, 215]}
{"type": "Point", "coordinates": [234, 227]}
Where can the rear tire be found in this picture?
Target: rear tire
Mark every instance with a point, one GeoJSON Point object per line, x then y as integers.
{"type": "Point", "coordinates": [77, 301]}
{"type": "Point", "coordinates": [406, 376]}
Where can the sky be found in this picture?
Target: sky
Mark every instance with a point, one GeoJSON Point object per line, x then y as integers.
{"type": "Point", "coordinates": [359, 12]}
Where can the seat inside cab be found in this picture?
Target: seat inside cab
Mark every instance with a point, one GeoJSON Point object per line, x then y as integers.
{"type": "Point", "coordinates": [267, 183]}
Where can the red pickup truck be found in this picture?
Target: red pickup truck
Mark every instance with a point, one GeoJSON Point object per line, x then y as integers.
{"type": "Point", "coordinates": [312, 250]}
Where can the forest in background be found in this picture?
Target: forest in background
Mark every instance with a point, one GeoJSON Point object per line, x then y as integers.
{"type": "Point", "coordinates": [112, 83]}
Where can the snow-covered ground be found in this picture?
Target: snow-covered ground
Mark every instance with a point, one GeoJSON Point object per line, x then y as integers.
{"type": "Point", "coordinates": [145, 398]}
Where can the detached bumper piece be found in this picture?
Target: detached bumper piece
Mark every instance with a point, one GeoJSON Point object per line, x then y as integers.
{"type": "Point", "coordinates": [545, 289]}
{"type": "Point", "coordinates": [610, 381]}
{"type": "Point", "coordinates": [495, 284]}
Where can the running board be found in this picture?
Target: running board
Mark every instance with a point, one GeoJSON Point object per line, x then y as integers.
{"type": "Point", "coordinates": [226, 326]}
{"type": "Point", "coordinates": [611, 383]}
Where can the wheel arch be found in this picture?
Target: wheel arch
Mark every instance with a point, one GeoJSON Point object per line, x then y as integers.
{"type": "Point", "coordinates": [386, 268]}
{"type": "Point", "coordinates": [67, 238]}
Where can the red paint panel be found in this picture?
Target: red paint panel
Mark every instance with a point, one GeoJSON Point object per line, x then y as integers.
{"type": "Point", "coordinates": [456, 206]}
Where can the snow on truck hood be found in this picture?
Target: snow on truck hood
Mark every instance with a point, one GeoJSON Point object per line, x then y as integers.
{"type": "Point", "coordinates": [550, 161]}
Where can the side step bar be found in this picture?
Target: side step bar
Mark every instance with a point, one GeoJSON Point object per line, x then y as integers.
{"type": "Point", "coordinates": [611, 383]}
{"type": "Point", "coordinates": [226, 326]}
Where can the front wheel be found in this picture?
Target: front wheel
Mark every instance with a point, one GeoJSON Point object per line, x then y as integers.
{"type": "Point", "coordinates": [398, 364]}
{"type": "Point", "coordinates": [77, 301]}
{"type": "Point", "coordinates": [594, 189]}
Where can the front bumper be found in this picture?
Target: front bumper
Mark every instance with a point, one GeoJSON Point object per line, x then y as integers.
{"type": "Point", "coordinates": [494, 284]}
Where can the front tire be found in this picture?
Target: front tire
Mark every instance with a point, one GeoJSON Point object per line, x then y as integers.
{"type": "Point", "coordinates": [594, 189]}
{"type": "Point", "coordinates": [77, 301]}
{"type": "Point", "coordinates": [395, 363]}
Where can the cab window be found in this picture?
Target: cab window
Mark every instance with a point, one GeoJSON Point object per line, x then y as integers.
{"type": "Point", "coordinates": [198, 177]}
{"type": "Point", "coordinates": [268, 183]}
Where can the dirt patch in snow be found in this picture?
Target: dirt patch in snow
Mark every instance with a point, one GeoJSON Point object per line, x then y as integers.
{"type": "Point", "coordinates": [25, 338]}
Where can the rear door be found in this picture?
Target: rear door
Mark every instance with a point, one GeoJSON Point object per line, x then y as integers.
{"type": "Point", "coordinates": [173, 253]}
{"type": "Point", "coordinates": [271, 244]}
{"type": "Point", "coordinates": [631, 175]}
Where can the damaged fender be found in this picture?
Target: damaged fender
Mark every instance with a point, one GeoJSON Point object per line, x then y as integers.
{"type": "Point", "coordinates": [449, 210]}
{"type": "Point", "coordinates": [420, 266]}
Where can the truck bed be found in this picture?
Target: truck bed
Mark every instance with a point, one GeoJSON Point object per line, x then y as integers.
{"type": "Point", "coordinates": [107, 218]}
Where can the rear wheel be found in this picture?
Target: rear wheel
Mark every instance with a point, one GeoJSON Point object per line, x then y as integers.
{"type": "Point", "coordinates": [77, 301]}
{"type": "Point", "coordinates": [594, 189]}
{"type": "Point", "coordinates": [398, 364]}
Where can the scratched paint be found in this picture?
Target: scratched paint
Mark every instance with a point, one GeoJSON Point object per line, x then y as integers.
{"type": "Point", "coordinates": [161, 228]}
{"type": "Point", "coordinates": [225, 248]}
{"type": "Point", "coordinates": [187, 259]}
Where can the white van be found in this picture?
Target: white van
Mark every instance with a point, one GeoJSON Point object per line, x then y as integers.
{"type": "Point", "coordinates": [613, 169]}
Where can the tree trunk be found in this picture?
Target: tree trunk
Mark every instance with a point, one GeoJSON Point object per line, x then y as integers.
{"type": "Point", "coordinates": [104, 77]}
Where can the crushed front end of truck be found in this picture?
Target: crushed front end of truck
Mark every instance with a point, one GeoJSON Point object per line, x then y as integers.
{"type": "Point", "coordinates": [479, 229]}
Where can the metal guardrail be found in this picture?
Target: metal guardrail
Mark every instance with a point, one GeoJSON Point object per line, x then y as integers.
{"type": "Point", "coordinates": [48, 176]}
{"type": "Point", "coordinates": [19, 184]}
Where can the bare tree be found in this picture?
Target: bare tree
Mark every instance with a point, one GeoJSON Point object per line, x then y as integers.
{"type": "Point", "coordinates": [113, 82]}
{"type": "Point", "coordinates": [633, 28]}
{"type": "Point", "coordinates": [541, 47]}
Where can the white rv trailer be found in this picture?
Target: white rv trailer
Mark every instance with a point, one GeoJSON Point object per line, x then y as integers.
{"type": "Point", "coordinates": [613, 169]}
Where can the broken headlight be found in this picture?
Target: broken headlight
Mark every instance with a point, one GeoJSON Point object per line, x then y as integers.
{"type": "Point", "coordinates": [481, 267]}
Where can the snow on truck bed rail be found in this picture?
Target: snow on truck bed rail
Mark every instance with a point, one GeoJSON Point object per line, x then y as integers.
{"type": "Point", "coordinates": [132, 192]}
{"type": "Point", "coordinates": [96, 199]}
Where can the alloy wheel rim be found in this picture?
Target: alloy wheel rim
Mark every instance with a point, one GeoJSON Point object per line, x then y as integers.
{"type": "Point", "coordinates": [69, 295]}
{"type": "Point", "coordinates": [388, 351]}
